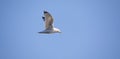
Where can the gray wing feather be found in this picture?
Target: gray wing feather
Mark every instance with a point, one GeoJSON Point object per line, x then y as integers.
{"type": "Point", "coordinates": [48, 20]}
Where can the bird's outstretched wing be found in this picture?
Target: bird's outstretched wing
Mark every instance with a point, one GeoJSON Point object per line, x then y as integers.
{"type": "Point", "coordinates": [48, 20]}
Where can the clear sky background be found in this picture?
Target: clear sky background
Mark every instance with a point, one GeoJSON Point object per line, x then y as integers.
{"type": "Point", "coordinates": [90, 29]}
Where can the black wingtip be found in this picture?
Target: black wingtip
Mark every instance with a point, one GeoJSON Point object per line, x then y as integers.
{"type": "Point", "coordinates": [43, 18]}
{"type": "Point", "coordinates": [45, 12]}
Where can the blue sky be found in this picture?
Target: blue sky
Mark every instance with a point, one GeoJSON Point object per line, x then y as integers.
{"type": "Point", "coordinates": [90, 29]}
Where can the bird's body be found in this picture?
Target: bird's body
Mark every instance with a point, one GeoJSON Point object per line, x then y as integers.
{"type": "Point", "coordinates": [49, 31]}
{"type": "Point", "coordinates": [49, 24]}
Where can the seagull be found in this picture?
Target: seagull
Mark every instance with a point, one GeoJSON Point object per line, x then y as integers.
{"type": "Point", "coordinates": [49, 28]}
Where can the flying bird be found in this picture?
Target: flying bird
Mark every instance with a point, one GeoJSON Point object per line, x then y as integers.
{"type": "Point", "coordinates": [49, 28]}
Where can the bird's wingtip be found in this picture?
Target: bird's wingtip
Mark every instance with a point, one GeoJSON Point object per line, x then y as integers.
{"type": "Point", "coordinates": [45, 11]}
